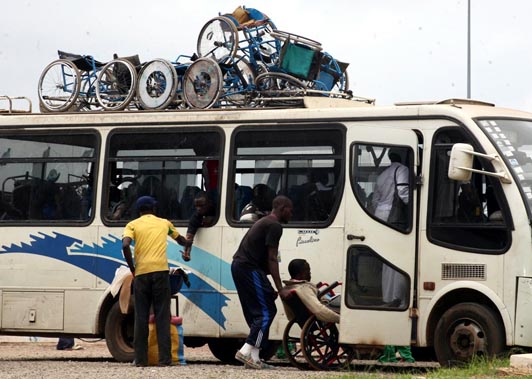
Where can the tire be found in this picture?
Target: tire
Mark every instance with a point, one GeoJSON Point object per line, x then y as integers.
{"type": "Point", "coordinates": [59, 86]}
{"type": "Point", "coordinates": [202, 83]}
{"type": "Point", "coordinates": [321, 349]}
{"type": "Point", "coordinates": [277, 88]}
{"type": "Point", "coordinates": [116, 84]}
{"type": "Point", "coordinates": [157, 84]}
{"type": "Point", "coordinates": [225, 348]}
{"type": "Point", "coordinates": [292, 345]}
{"type": "Point", "coordinates": [238, 82]}
{"type": "Point", "coordinates": [119, 334]}
{"type": "Point", "coordinates": [218, 39]}
{"type": "Point", "coordinates": [467, 330]}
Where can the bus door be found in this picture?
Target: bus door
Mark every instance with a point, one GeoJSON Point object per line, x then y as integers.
{"type": "Point", "coordinates": [379, 236]}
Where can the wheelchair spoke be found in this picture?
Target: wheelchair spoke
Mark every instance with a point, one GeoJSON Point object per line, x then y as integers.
{"type": "Point", "coordinates": [59, 86]}
{"type": "Point", "coordinates": [320, 345]}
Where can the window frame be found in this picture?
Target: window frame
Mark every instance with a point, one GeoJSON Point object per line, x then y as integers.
{"type": "Point", "coordinates": [354, 159]}
{"type": "Point", "coordinates": [276, 128]}
{"type": "Point", "coordinates": [94, 160]}
{"type": "Point", "coordinates": [167, 130]}
{"type": "Point", "coordinates": [365, 249]}
{"type": "Point", "coordinates": [498, 192]}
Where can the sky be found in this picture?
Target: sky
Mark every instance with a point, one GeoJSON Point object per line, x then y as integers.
{"type": "Point", "coordinates": [398, 50]}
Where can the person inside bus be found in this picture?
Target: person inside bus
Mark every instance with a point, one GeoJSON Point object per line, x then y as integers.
{"type": "Point", "coordinates": [260, 204]}
{"type": "Point", "coordinates": [313, 200]}
{"type": "Point", "coordinates": [203, 216]}
{"type": "Point", "coordinates": [394, 179]}
{"type": "Point", "coordinates": [47, 203]}
{"type": "Point", "coordinates": [392, 183]}
{"type": "Point", "coordinates": [307, 292]}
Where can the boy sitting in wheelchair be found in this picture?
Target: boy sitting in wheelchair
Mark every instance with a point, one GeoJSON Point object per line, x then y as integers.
{"type": "Point", "coordinates": [308, 294]}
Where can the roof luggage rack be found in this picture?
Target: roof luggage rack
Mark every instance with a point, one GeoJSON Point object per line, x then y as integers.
{"type": "Point", "coordinates": [13, 101]}
{"type": "Point", "coordinates": [455, 101]}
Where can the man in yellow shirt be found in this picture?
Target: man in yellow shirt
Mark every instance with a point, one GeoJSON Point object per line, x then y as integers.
{"type": "Point", "coordinates": [152, 282]}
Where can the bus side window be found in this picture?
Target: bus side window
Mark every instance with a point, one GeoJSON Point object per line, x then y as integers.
{"type": "Point", "coordinates": [47, 177]}
{"type": "Point", "coordinates": [170, 165]}
{"type": "Point", "coordinates": [303, 163]}
{"type": "Point", "coordinates": [374, 283]}
{"type": "Point", "coordinates": [381, 182]}
{"type": "Point", "coordinates": [465, 215]}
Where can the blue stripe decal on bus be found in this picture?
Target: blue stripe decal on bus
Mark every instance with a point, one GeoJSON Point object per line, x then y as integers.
{"type": "Point", "coordinates": [103, 261]}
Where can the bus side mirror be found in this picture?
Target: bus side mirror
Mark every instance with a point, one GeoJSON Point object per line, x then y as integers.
{"type": "Point", "coordinates": [461, 162]}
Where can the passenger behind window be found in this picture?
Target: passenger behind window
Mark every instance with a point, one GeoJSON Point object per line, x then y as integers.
{"type": "Point", "coordinates": [203, 216]}
{"type": "Point", "coordinates": [469, 206]}
{"type": "Point", "coordinates": [46, 196]}
{"type": "Point", "coordinates": [313, 200]}
{"type": "Point", "coordinates": [187, 201]}
{"type": "Point", "coordinates": [9, 212]}
{"type": "Point", "coordinates": [125, 208]}
{"type": "Point", "coordinates": [321, 199]}
{"type": "Point", "coordinates": [260, 204]}
{"type": "Point", "coordinates": [243, 195]}
{"type": "Point", "coordinates": [392, 183]}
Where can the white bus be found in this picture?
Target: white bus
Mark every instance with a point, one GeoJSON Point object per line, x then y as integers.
{"type": "Point", "coordinates": [464, 258]}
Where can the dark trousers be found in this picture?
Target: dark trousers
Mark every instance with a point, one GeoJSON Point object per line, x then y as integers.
{"type": "Point", "coordinates": [257, 298]}
{"type": "Point", "coordinates": [152, 289]}
{"type": "Point", "coordinates": [65, 343]}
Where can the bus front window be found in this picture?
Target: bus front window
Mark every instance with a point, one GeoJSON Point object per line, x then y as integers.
{"type": "Point", "coordinates": [513, 138]}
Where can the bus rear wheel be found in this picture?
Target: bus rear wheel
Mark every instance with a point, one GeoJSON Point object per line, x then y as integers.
{"type": "Point", "coordinates": [119, 334]}
{"type": "Point", "coordinates": [467, 330]}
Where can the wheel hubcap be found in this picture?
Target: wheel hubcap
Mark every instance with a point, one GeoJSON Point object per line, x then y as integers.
{"type": "Point", "coordinates": [467, 340]}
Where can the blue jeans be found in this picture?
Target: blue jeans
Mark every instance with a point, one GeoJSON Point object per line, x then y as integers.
{"type": "Point", "coordinates": [152, 289]}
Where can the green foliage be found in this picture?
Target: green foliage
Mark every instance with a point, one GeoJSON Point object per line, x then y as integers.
{"type": "Point", "coordinates": [480, 368]}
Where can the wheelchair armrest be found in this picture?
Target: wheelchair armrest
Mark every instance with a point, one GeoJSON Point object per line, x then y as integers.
{"type": "Point", "coordinates": [328, 289]}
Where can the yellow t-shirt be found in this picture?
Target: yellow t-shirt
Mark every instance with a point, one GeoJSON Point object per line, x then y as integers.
{"type": "Point", "coordinates": [150, 235]}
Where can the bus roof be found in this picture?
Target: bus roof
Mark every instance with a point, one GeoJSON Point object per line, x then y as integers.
{"type": "Point", "coordinates": [315, 108]}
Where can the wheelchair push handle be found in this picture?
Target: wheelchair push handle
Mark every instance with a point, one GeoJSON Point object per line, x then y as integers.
{"type": "Point", "coordinates": [328, 289]}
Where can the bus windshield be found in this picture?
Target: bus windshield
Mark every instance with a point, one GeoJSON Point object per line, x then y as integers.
{"type": "Point", "coordinates": [513, 138]}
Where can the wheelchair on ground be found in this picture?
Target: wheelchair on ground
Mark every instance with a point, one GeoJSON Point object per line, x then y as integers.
{"type": "Point", "coordinates": [311, 343]}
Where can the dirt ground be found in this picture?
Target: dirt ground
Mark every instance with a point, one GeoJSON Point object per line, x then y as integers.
{"type": "Point", "coordinates": [21, 357]}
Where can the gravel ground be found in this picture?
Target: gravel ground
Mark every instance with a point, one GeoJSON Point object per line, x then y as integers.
{"type": "Point", "coordinates": [42, 360]}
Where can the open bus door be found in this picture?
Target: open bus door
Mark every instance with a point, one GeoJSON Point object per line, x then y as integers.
{"type": "Point", "coordinates": [380, 254]}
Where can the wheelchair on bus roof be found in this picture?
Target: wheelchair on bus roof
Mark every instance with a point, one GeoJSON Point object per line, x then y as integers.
{"type": "Point", "coordinates": [80, 82]}
{"type": "Point", "coordinates": [242, 60]}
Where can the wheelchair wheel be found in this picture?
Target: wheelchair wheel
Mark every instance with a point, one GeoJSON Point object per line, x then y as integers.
{"type": "Point", "coordinates": [238, 80]}
{"type": "Point", "coordinates": [218, 39]}
{"type": "Point", "coordinates": [157, 83]}
{"type": "Point", "coordinates": [59, 86]}
{"type": "Point", "coordinates": [279, 88]}
{"type": "Point", "coordinates": [202, 83]}
{"type": "Point", "coordinates": [279, 83]}
{"type": "Point", "coordinates": [116, 84]}
{"type": "Point", "coordinates": [321, 348]}
{"type": "Point", "coordinates": [292, 345]}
